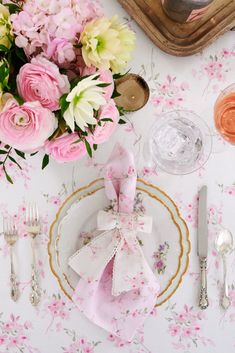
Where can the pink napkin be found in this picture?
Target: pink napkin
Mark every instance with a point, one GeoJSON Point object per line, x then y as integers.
{"type": "Point", "coordinates": [117, 289]}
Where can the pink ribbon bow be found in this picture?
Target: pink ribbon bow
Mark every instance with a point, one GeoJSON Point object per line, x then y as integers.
{"type": "Point", "coordinates": [117, 289]}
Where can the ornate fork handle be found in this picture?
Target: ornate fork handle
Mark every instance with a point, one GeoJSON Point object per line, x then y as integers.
{"type": "Point", "coordinates": [35, 294]}
{"type": "Point", "coordinates": [203, 298]}
{"type": "Point", "coordinates": [13, 281]}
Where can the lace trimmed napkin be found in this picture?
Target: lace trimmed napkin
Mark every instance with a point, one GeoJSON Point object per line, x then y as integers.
{"type": "Point", "coordinates": [117, 289]}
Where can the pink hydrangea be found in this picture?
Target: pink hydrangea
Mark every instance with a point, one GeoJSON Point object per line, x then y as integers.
{"type": "Point", "coordinates": [26, 127]}
{"type": "Point", "coordinates": [42, 81]}
{"type": "Point", "coordinates": [65, 148]}
{"type": "Point", "coordinates": [60, 50]}
{"type": "Point", "coordinates": [53, 27]}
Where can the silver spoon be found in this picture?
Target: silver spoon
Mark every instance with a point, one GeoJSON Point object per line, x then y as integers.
{"type": "Point", "coordinates": [224, 246]}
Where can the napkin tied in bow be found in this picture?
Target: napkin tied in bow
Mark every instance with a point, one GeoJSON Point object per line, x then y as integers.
{"type": "Point", "coordinates": [119, 240]}
{"type": "Point", "coordinates": [117, 288]}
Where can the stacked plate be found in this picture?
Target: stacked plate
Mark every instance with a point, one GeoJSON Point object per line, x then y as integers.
{"type": "Point", "coordinates": [166, 248]}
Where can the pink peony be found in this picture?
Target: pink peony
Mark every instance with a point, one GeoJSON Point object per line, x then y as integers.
{"type": "Point", "coordinates": [42, 81]}
{"type": "Point", "coordinates": [26, 127]}
{"type": "Point", "coordinates": [63, 149]}
{"type": "Point", "coordinates": [103, 132]}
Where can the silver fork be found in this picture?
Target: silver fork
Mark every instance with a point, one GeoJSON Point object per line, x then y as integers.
{"type": "Point", "coordinates": [11, 237]}
{"type": "Point", "coordinates": [33, 228]}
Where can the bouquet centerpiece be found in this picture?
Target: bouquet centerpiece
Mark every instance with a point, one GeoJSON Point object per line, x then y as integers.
{"type": "Point", "coordinates": [58, 62]}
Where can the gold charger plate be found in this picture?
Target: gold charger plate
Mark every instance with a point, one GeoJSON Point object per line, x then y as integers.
{"type": "Point", "coordinates": [168, 244]}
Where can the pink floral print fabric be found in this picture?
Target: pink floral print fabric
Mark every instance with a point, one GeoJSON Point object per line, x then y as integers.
{"type": "Point", "coordinates": [117, 289]}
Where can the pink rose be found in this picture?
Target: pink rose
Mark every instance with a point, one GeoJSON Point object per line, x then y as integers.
{"type": "Point", "coordinates": [63, 149]}
{"type": "Point", "coordinates": [42, 81]}
{"type": "Point", "coordinates": [26, 127]}
{"type": "Point", "coordinates": [103, 132]}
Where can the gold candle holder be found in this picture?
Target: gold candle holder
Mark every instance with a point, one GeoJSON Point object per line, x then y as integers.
{"type": "Point", "coordinates": [134, 92]}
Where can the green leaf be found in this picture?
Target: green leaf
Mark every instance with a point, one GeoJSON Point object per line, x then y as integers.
{"type": "Point", "coordinates": [121, 110]}
{"type": "Point", "coordinates": [104, 84]}
{"type": "Point", "coordinates": [121, 122]}
{"type": "Point", "coordinates": [4, 74]}
{"type": "Point", "coordinates": [20, 54]}
{"type": "Point", "coordinates": [13, 8]}
{"type": "Point", "coordinates": [95, 147]}
{"type": "Point", "coordinates": [77, 141]}
{"type": "Point", "coordinates": [33, 154]}
{"type": "Point", "coordinates": [19, 100]}
{"type": "Point", "coordinates": [3, 152]}
{"type": "Point", "coordinates": [88, 148]}
{"type": "Point", "coordinates": [78, 45]}
{"type": "Point", "coordinates": [76, 80]}
{"type": "Point", "coordinates": [14, 161]}
{"type": "Point", "coordinates": [96, 77]}
{"type": "Point", "coordinates": [106, 119]}
{"type": "Point", "coordinates": [117, 76]}
{"type": "Point", "coordinates": [20, 153]}
{"type": "Point", "coordinates": [64, 104]}
{"type": "Point", "coordinates": [115, 94]}
{"type": "Point", "coordinates": [45, 161]}
{"type": "Point", "coordinates": [4, 48]}
{"type": "Point", "coordinates": [7, 175]}
{"type": "Point", "coordinates": [84, 133]}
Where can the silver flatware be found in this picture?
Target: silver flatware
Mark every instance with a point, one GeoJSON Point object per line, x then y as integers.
{"type": "Point", "coordinates": [11, 237]}
{"type": "Point", "coordinates": [202, 247]}
{"type": "Point", "coordinates": [33, 228]}
{"type": "Point", "coordinates": [224, 246]}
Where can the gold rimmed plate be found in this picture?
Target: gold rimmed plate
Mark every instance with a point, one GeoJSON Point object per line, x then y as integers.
{"type": "Point", "coordinates": [166, 248]}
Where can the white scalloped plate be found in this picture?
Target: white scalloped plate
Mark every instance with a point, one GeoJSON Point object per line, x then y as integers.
{"type": "Point", "coordinates": [76, 221]}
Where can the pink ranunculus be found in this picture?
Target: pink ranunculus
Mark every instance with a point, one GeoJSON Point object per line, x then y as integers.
{"type": "Point", "coordinates": [42, 81]}
{"type": "Point", "coordinates": [103, 132]}
{"type": "Point", "coordinates": [26, 127]}
{"type": "Point", "coordinates": [107, 77]}
{"type": "Point", "coordinates": [64, 148]}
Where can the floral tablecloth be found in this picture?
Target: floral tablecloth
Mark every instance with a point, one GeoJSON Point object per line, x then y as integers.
{"type": "Point", "coordinates": [56, 325]}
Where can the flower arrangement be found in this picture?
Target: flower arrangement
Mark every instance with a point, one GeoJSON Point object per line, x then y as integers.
{"type": "Point", "coordinates": [58, 62]}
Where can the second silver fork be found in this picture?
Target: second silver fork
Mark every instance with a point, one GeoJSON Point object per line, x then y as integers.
{"type": "Point", "coordinates": [33, 228]}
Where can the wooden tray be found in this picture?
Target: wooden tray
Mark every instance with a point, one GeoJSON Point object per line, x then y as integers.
{"type": "Point", "coordinates": [181, 39]}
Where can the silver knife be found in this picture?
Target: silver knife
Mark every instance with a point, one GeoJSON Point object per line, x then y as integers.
{"type": "Point", "coordinates": [202, 246]}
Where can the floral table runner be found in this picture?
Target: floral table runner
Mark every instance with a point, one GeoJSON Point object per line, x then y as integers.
{"type": "Point", "coordinates": [56, 325]}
